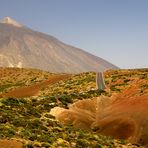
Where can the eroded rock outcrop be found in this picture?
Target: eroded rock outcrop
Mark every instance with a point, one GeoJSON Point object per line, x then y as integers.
{"type": "Point", "coordinates": [122, 116]}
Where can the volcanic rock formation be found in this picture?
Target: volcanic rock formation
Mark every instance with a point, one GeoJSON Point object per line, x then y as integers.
{"type": "Point", "coordinates": [122, 116]}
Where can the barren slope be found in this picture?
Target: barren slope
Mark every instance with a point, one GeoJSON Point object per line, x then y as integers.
{"type": "Point", "coordinates": [23, 47]}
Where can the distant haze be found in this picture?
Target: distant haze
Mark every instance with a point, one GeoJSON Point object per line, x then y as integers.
{"type": "Point", "coordinates": [112, 29]}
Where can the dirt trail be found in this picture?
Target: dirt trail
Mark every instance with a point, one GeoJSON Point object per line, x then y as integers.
{"type": "Point", "coordinates": [34, 89]}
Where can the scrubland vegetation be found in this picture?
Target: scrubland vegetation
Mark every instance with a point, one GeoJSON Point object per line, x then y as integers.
{"type": "Point", "coordinates": [28, 119]}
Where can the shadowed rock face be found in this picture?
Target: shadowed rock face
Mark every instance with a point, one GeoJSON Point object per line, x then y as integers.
{"type": "Point", "coordinates": [23, 47]}
{"type": "Point", "coordinates": [120, 127]}
{"type": "Point", "coordinates": [119, 116]}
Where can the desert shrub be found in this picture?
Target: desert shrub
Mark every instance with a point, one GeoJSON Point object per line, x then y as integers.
{"type": "Point", "coordinates": [126, 80]}
{"type": "Point", "coordinates": [3, 87]}
{"type": "Point", "coordinates": [13, 102]}
{"type": "Point", "coordinates": [143, 88]}
{"type": "Point", "coordinates": [7, 131]}
{"type": "Point", "coordinates": [113, 88]}
{"type": "Point", "coordinates": [33, 112]}
{"type": "Point", "coordinates": [19, 122]}
{"type": "Point", "coordinates": [65, 99]}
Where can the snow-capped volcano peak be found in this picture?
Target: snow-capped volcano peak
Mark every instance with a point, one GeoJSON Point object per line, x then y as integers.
{"type": "Point", "coordinates": [8, 20]}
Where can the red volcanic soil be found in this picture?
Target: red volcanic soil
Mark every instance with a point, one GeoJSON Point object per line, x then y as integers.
{"type": "Point", "coordinates": [125, 119]}
{"type": "Point", "coordinates": [10, 144]}
{"type": "Point", "coordinates": [34, 89]}
{"type": "Point", "coordinates": [122, 116]}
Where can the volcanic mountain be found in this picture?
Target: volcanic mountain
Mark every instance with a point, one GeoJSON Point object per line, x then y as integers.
{"type": "Point", "coordinates": [22, 47]}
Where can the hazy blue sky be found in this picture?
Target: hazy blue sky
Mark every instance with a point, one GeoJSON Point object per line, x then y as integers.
{"type": "Point", "coordinates": [116, 30]}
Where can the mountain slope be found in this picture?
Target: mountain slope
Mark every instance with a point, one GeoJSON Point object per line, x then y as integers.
{"type": "Point", "coordinates": [23, 47]}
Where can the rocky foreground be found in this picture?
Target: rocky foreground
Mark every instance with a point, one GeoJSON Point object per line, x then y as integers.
{"type": "Point", "coordinates": [27, 121]}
